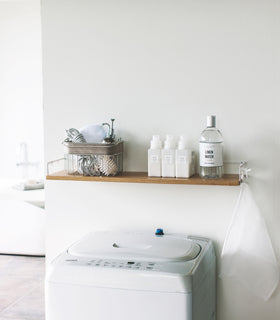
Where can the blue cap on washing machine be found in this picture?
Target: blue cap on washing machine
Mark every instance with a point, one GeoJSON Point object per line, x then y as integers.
{"type": "Point", "coordinates": [159, 232]}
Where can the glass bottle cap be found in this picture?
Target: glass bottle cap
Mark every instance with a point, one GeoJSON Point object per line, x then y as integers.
{"type": "Point", "coordinates": [211, 121]}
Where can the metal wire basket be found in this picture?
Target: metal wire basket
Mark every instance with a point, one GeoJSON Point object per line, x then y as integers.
{"type": "Point", "coordinates": [93, 159]}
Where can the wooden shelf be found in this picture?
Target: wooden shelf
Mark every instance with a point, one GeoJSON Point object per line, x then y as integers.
{"type": "Point", "coordinates": [142, 177]}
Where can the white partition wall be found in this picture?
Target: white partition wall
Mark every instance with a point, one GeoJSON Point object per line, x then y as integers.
{"type": "Point", "coordinates": [21, 106]}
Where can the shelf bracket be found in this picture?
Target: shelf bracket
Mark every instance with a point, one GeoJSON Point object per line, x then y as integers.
{"type": "Point", "coordinates": [244, 171]}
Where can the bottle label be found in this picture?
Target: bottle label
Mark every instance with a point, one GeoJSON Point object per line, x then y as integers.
{"type": "Point", "coordinates": [168, 159]}
{"type": "Point", "coordinates": [182, 159]}
{"type": "Point", "coordinates": [210, 154]}
{"type": "Point", "coordinates": [155, 158]}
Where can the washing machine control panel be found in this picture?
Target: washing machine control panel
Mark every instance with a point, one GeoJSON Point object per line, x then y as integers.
{"type": "Point", "coordinates": [182, 267]}
{"type": "Point", "coordinates": [178, 267]}
{"type": "Point", "coordinates": [116, 264]}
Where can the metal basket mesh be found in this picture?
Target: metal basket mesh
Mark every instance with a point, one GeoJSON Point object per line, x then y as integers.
{"type": "Point", "coordinates": [93, 165]}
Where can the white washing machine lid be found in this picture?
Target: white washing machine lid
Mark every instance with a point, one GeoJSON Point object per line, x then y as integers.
{"type": "Point", "coordinates": [136, 246]}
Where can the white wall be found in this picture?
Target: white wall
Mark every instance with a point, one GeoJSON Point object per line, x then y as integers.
{"type": "Point", "coordinates": [161, 67]}
{"type": "Point", "coordinates": [21, 110]}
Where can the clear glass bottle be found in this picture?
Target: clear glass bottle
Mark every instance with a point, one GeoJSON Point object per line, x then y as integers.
{"type": "Point", "coordinates": [211, 151]}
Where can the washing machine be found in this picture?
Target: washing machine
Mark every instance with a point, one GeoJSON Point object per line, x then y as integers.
{"type": "Point", "coordinates": [133, 275]}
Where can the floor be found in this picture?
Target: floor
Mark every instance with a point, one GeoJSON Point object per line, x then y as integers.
{"type": "Point", "coordinates": [21, 287]}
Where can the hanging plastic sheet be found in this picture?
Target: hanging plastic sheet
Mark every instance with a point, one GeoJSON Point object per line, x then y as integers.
{"type": "Point", "coordinates": [247, 254]}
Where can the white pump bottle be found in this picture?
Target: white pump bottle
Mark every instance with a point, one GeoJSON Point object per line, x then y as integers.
{"type": "Point", "coordinates": [154, 157]}
{"type": "Point", "coordinates": [168, 157]}
{"type": "Point", "coordinates": [185, 160]}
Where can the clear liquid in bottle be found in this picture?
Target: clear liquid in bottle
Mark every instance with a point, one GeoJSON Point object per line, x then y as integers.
{"type": "Point", "coordinates": [211, 151]}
